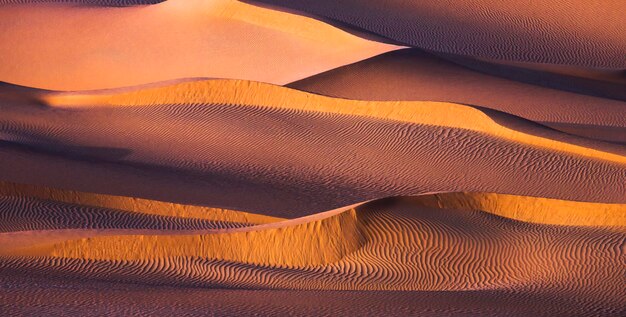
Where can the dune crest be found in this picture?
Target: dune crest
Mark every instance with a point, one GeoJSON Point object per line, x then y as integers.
{"type": "Point", "coordinates": [594, 102]}
{"type": "Point", "coordinates": [408, 240]}
{"type": "Point", "coordinates": [259, 94]}
{"type": "Point", "coordinates": [133, 204]}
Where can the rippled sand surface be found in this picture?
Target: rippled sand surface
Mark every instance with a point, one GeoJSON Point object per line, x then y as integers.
{"type": "Point", "coordinates": [292, 158]}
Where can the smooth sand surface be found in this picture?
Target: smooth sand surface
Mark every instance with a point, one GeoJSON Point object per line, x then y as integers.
{"type": "Point", "coordinates": [569, 32]}
{"type": "Point", "coordinates": [68, 47]}
{"type": "Point", "coordinates": [413, 74]}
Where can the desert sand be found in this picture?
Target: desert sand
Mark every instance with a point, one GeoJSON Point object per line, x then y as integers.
{"type": "Point", "coordinates": [568, 32]}
{"type": "Point", "coordinates": [594, 107]}
{"type": "Point", "coordinates": [95, 47]}
{"type": "Point", "coordinates": [242, 158]}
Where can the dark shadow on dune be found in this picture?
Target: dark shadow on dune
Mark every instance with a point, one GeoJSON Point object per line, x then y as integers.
{"type": "Point", "coordinates": [42, 292]}
{"type": "Point", "coordinates": [469, 29]}
{"type": "Point", "coordinates": [551, 131]}
{"type": "Point", "coordinates": [615, 135]}
{"type": "Point", "coordinates": [607, 84]}
{"type": "Point", "coordinates": [88, 153]}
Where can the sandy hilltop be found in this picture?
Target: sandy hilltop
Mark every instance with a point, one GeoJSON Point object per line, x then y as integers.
{"type": "Point", "coordinates": [312, 158]}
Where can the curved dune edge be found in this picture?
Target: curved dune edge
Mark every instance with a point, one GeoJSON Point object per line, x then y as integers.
{"type": "Point", "coordinates": [194, 38]}
{"type": "Point", "coordinates": [133, 204]}
{"type": "Point", "coordinates": [317, 239]}
{"type": "Point", "coordinates": [305, 243]}
{"type": "Point", "coordinates": [265, 95]}
{"type": "Point", "coordinates": [531, 209]}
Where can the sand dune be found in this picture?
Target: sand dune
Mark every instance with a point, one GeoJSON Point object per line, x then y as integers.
{"type": "Point", "coordinates": [567, 32]}
{"type": "Point", "coordinates": [312, 158]}
{"type": "Point", "coordinates": [391, 244]}
{"type": "Point", "coordinates": [98, 47]}
{"type": "Point", "coordinates": [345, 151]}
{"type": "Point", "coordinates": [57, 296]}
{"type": "Point", "coordinates": [415, 75]}
{"type": "Point", "coordinates": [131, 204]}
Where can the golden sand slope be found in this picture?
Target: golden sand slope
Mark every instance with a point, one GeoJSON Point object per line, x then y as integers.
{"type": "Point", "coordinates": [532, 209]}
{"type": "Point", "coordinates": [391, 244]}
{"type": "Point", "coordinates": [66, 47]}
{"type": "Point", "coordinates": [259, 94]}
{"type": "Point", "coordinates": [276, 151]}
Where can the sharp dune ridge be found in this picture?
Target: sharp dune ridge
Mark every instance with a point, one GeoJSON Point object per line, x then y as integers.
{"type": "Point", "coordinates": [259, 94]}
{"type": "Point", "coordinates": [369, 249]}
{"type": "Point", "coordinates": [413, 74]}
{"type": "Point", "coordinates": [131, 204]}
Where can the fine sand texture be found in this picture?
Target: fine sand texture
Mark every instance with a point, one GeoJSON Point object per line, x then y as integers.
{"type": "Point", "coordinates": [231, 144]}
{"type": "Point", "coordinates": [594, 107]}
{"type": "Point", "coordinates": [65, 47]}
{"type": "Point", "coordinates": [570, 32]}
{"type": "Point", "coordinates": [432, 244]}
{"type": "Point", "coordinates": [312, 158]}
{"type": "Point", "coordinates": [251, 194]}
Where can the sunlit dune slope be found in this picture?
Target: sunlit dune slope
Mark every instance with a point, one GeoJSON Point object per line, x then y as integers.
{"type": "Point", "coordinates": [569, 32]}
{"type": "Point", "coordinates": [272, 150]}
{"type": "Point", "coordinates": [68, 47]}
{"type": "Point", "coordinates": [415, 75]}
{"type": "Point", "coordinates": [257, 94]}
{"type": "Point", "coordinates": [531, 209]}
{"type": "Point", "coordinates": [390, 244]}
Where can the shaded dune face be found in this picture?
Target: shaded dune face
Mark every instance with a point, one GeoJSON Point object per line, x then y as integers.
{"type": "Point", "coordinates": [567, 32]}
{"type": "Point", "coordinates": [95, 47]}
{"type": "Point", "coordinates": [315, 153]}
{"type": "Point", "coordinates": [58, 296]}
{"type": "Point", "coordinates": [412, 74]}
